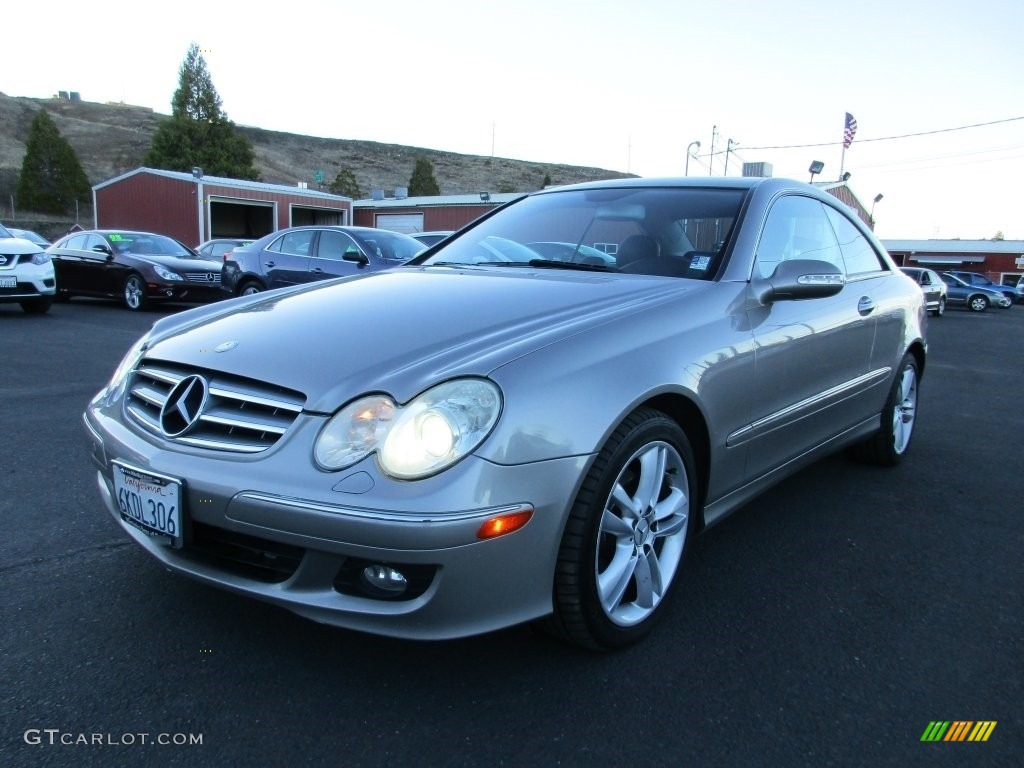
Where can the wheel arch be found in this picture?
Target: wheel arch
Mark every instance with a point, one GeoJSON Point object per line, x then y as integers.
{"type": "Point", "coordinates": [690, 419]}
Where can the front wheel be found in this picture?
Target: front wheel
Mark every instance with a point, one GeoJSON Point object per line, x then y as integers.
{"type": "Point", "coordinates": [890, 443]}
{"type": "Point", "coordinates": [627, 534]}
{"type": "Point", "coordinates": [135, 297]}
{"type": "Point", "coordinates": [38, 306]}
{"type": "Point", "coordinates": [977, 303]}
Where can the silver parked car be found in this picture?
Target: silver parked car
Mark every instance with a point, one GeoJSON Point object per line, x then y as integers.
{"type": "Point", "coordinates": [488, 436]}
{"type": "Point", "coordinates": [933, 288]}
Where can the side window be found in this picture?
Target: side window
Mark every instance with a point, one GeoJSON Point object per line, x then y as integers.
{"type": "Point", "coordinates": [334, 244]}
{"type": "Point", "coordinates": [91, 241]}
{"type": "Point", "coordinates": [298, 243]}
{"type": "Point", "coordinates": [926, 279]}
{"type": "Point", "coordinates": [858, 254]}
{"type": "Point", "coordinates": [76, 243]}
{"type": "Point", "coordinates": [796, 228]}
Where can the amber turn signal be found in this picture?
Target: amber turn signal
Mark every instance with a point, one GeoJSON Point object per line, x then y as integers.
{"type": "Point", "coordinates": [502, 524]}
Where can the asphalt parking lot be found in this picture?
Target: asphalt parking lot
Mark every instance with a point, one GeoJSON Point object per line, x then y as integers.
{"type": "Point", "coordinates": [826, 624]}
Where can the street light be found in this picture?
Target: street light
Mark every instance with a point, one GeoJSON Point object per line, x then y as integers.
{"type": "Point", "coordinates": [816, 167]}
{"type": "Point", "coordinates": [878, 197]}
{"type": "Point", "coordinates": [688, 153]}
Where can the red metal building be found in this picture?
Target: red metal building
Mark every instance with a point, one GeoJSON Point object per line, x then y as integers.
{"type": "Point", "coordinates": [427, 214]}
{"type": "Point", "coordinates": [193, 208]}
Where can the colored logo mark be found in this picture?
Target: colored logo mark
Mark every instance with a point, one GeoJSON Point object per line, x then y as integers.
{"type": "Point", "coordinates": [958, 730]}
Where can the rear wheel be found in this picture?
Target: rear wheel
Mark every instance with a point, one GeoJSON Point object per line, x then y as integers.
{"type": "Point", "coordinates": [977, 303]}
{"type": "Point", "coordinates": [890, 443]}
{"type": "Point", "coordinates": [627, 534]}
{"type": "Point", "coordinates": [135, 297]}
{"type": "Point", "coordinates": [249, 288]}
{"type": "Point", "coordinates": [940, 310]}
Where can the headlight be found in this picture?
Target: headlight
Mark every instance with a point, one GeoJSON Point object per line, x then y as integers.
{"type": "Point", "coordinates": [40, 258]}
{"type": "Point", "coordinates": [166, 274]}
{"type": "Point", "coordinates": [115, 388]}
{"type": "Point", "coordinates": [420, 438]}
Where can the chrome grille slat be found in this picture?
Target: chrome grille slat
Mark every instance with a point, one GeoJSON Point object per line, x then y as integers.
{"type": "Point", "coordinates": [225, 418]}
{"type": "Point", "coordinates": [239, 415]}
{"type": "Point", "coordinates": [202, 277]}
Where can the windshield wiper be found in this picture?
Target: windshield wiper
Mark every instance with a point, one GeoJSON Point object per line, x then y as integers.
{"type": "Point", "coordinates": [554, 264]}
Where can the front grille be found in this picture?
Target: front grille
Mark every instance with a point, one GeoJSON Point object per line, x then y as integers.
{"type": "Point", "coordinates": [209, 278]}
{"type": "Point", "coordinates": [239, 415]}
{"type": "Point", "coordinates": [270, 562]}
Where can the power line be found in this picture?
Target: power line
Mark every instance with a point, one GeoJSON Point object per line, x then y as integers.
{"type": "Point", "coordinates": [890, 138]}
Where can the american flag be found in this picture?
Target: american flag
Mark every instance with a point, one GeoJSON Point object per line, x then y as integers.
{"type": "Point", "coordinates": [849, 129]}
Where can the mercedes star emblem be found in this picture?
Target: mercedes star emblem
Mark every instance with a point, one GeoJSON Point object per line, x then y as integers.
{"type": "Point", "coordinates": [184, 406]}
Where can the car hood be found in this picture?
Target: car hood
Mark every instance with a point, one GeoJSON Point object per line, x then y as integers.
{"type": "Point", "coordinates": [400, 331]}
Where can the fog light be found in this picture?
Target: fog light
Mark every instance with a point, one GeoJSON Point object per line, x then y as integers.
{"type": "Point", "coordinates": [384, 581]}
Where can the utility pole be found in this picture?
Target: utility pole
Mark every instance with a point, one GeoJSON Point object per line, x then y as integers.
{"type": "Point", "coordinates": [711, 153]}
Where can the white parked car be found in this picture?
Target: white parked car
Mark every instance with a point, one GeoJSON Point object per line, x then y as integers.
{"type": "Point", "coordinates": [26, 274]}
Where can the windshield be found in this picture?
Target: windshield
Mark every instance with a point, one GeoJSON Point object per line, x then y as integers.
{"type": "Point", "coordinates": [143, 244]}
{"type": "Point", "coordinates": [665, 231]}
{"type": "Point", "coordinates": [4, 232]}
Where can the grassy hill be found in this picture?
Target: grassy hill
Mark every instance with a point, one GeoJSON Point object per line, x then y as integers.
{"type": "Point", "coordinates": [111, 139]}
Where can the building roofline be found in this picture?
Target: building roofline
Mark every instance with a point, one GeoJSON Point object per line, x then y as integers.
{"type": "Point", "coordinates": [224, 182]}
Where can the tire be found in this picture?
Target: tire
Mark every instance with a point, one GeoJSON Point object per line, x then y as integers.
{"type": "Point", "coordinates": [888, 446]}
{"type": "Point", "coordinates": [250, 287]}
{"type": "Point", "coordinates": [977, 303]}
{"type": "Point", "coordinates": [627, 535]}
{"type": "Point", "coordinates": [940, 310]}
{"type": "Point", "coordinates": [38, 306]}
{"type": "Point", "coordinates": [134, 293]}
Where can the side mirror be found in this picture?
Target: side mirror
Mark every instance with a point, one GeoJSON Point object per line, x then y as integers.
{"type": "Point", "coordinates": [103, 249]}
{"type": "Point", "coordinates": [799, 279]}
{"type": "Point", "coordinates": [354, 254]}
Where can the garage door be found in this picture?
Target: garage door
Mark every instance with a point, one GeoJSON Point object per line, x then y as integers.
{"type": "Point", "coordinates": [400, 222]}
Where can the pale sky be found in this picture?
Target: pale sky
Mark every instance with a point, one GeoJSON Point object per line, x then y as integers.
{"type": "Point", "coordinates": [620, 85]}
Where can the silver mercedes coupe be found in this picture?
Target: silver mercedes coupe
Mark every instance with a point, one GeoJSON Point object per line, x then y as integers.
{"type": "Point", "coordinates": [497, 433]}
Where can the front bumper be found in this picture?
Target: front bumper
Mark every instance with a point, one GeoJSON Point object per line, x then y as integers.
{"type": "Point", "coordinates": [33, 281]}
{"type": "Point", "coordinates": [305, 535]}
{"type": "Point", "coordinates": [185, 291]}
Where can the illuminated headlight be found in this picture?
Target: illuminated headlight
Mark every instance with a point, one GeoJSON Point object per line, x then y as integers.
{"type": "Point", "coordinates": [40, 258]}
{"type": "Point", "coordinates": [421, 438]}
{"type": "Point", "coordinates": [166, 274]}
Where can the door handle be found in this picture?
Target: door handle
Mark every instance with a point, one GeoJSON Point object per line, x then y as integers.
{"type": "Point", "coordinates": [866, 305]}
{"type": "Point", "coordinates": [271, 263]}
{"type": "Point", "coordinates": [317, 270]}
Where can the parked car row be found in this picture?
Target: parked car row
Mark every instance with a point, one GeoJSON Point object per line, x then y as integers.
{"type": "Point", "coordinates": [969, 289]}
{"type": "Point", "coordinates": [140, 268]}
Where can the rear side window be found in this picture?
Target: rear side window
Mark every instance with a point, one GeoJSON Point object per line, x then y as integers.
{"type": "Point", "coordinates": [296, 243]}
{"type": "Point", "coordinates": [860, 257]}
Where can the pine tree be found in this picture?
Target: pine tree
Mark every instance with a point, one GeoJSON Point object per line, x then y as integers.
{"type": "Point", "coordinates": [345, 184]}
{"type": "Point", "coordinates": [199, 133]}
{"type": "Point", "coordinates": [422, 181]}
{"type": "Point", "coordinates": [51, 177]}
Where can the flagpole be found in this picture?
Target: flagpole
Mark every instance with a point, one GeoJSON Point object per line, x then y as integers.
{"type": "Point", "coordinates": [842, 160]}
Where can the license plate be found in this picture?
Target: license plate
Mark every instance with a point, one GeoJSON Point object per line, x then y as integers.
{"type": "Point", "coordinates": [8, 281]}
{"type": "Point", "coordinates": [151, 503]}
